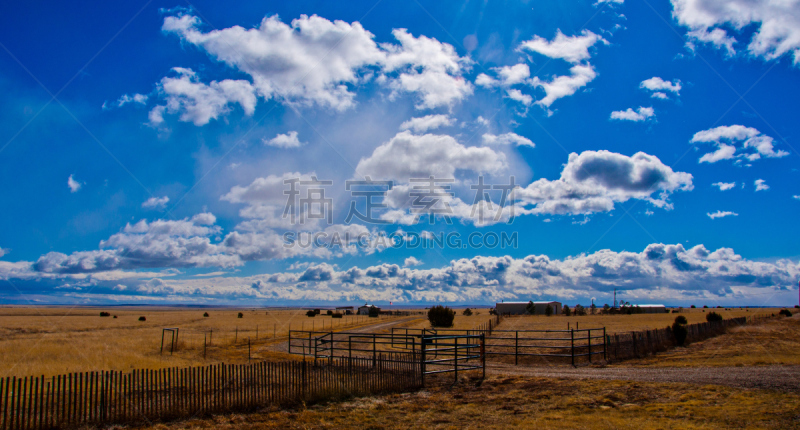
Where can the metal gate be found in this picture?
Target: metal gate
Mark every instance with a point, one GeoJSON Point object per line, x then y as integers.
{"type": "Point", "coordinates": [451, 354]}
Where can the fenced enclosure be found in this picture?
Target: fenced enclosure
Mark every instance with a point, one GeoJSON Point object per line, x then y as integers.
{"type": "Point", "coordinates": [435, 353]}
{"type": "Point", "coordinates": [102, 398]}
{"type": "Point", "coordinates": [560, 346]}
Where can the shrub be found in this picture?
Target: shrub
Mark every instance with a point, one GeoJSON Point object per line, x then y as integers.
{"type": "Point", "coordinates": [674, 311]}
{"type": "Point", "coordinates": [785, 312]}
{"type": "Point", "coordinates": [680, 333]}
{"type": "Point", "coordinates": [680, 319]}
{"type": "Point", "coordinates": [705, 307]}
{"type": "Point", "coordinates": [373, 312]}
{"type": "Point", "coordinates": [797, 306]}
{"type": "Point", "coordinates": [467, 312]}
{"type": "Point", "coordinates": [316, 311]}
{"type": "Point", "coordinates": [142, 319]}
{"type": "Point", "coordinates": [329, 312]}
{"type": "Point", "coordinates": [548, 310]}
{"type": "Point", "coordinates": [565, 310]}
{"type": "Point", "coordinates": [105, 314]}
{"type": "Point", "coordinates": [441, 316]}
{"type": "Point", "coordinates": [311, 314]}
{"type": "Point", "coordinates": [579, 310]}
{"type": "Point", "coordinates": [336, 315]}
{"type": "Point", "coordinates": [530, 308]}
{"type": "Point", "coordinates": [693, 306]}
{"type": "Point", "coordinates": [115, 316]}
{"type": "Point", "coordinates": [240, 315]}
{"type": "Point", "coordinates": [492, 311]}
{"type": "Point", "coordinates": [713, 317]}
{"type": "Point", "coordinates": [205, 314]}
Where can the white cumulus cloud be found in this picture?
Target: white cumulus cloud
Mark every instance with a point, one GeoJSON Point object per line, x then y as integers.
{"type": "Point", "coordinates": [724, 186]}
{"type": "Point", "coordinates": [640, 114]}
{"type": "Point", "coordinates": [427, 122]}
{"type": "Point", "coordinates": [761, 185]}
{"type": "Point", "coordinates": [507, 139]}
{"type": "Point", "coordinates": [74, 185]}
{"type": "Point", "coordinates": [411, 261]}
{"type": "Point", "coordinates": [776, 25]}
{"type": "Point", "coordinates": [721, 214]}
{"type": "Point", "coordinates": [288, 140]}
{"type": "Point", "coordinates": [743, 143]}
{"type": "Point", "coordinates": [659, 87]}
{"type": "Point", "coordinates": [156, 202]}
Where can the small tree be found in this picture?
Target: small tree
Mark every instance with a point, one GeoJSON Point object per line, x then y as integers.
{"type": "Point", "coordinates": [565, 310]}
{"type": "Point", "coordinates": [548, 310]}
{"type": "Point", "coordinates": [105, 314]}
{"type": "Point", "coordinates": [680, 332]}
{"type": "Point", "coordinates": [693, 306]}
{"type": "Point", "coordinates": [205, 314]}
{"type": "Point", "coordinates": [329, 312]}
{"type": "Point", "coordinates": [606, 308]}
{"type": "Point", "coordinates": [785, 312]}
{"type": "Point", "coordinates": [336, 315]}
{"type": "Point", "coordinates": [373, 312]}
{"type": "Point", "coordinates": [311, 314]}
{"type": "Point", "coordinates": [142, 319]}
{"type": "Point", "coordinates": [713, 317]}
{"type": "Point", "coordinates": [492, 311]}
{"type": "Point", "coordinates": [467, 312]}
{"type": "Point", "coordinates": [441, 316]}
{"type": "Point", "coordinates": [530, 308]}
{"type": "Point", "coordinates": [240, 315]}
{"type": "Point", "coordinates": [680, 319]}
{"type": "Point", "coordinates": [579, 310]}
{"type": "Point", "coordinates": [593, 309]}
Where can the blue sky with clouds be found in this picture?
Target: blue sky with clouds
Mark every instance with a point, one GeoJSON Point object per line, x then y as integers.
{"type": "Point", "coordinates": [147, 151]}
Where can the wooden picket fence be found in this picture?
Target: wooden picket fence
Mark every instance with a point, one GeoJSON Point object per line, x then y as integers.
{"type": "Point", "coordinates": [638, 344]}
{"type": "Point", "coordinates": [144, 396]}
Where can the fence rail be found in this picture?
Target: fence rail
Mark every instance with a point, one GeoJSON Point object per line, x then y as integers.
{"type": "Point", "coordinates": [109, 397]}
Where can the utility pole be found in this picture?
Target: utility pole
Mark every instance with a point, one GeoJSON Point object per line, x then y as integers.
{"type": "Point", "coordinates": [615, 298]}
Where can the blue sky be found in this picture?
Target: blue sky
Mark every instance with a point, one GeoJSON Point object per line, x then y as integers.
{"type": "Point", "coordinates": [144, 149]}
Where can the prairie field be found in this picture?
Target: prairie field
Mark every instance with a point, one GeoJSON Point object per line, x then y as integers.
{"type": "Point", "coordinates": [612, 323]}
{"type": "Point", "coordinates": [52, 340]}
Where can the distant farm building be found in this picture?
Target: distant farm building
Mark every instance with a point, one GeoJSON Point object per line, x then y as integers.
{"type": "Point", "coordinates": [364, 310]}
{"type": "Point", "coordinates": [347, 310]}
{"type": "Point", "coordinates": [521, 308]}
{"type": "Point", "coordinates": [652, 309]}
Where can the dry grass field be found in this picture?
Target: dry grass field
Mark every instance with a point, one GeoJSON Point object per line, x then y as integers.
{"type": "Point", "coordinates": [775, 341]}
{"type": "Point", "coordinates": [53, 340]}
{"type": "Point", "coordinates": [528, 402]}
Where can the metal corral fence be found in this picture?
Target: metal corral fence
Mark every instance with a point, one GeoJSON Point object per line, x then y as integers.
{"type": "Point", "coordinates": [637, 344]}
{"type": "Point", "coordinates": [571, 346]}
{"type": "Point", "coordinates": [103, 398]}
{"type": "Point", "coordinates": [435, 353]}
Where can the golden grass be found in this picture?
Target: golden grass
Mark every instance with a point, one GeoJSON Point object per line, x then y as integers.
{"type": "Point", "coordinates": [619, 323]}
{"type": "Point", "coordinates": [775, 341]}
{"type": "Point", "coordinates": [53, 340]}
{"type": "Point", "coordinates": [526, 402]}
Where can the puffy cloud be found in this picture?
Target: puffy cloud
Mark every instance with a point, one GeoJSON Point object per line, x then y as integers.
{"type": "Point", "coordinates": [507, 139]}
{"type": "Point", "coordinates": [411, 261]}
{"type": "Point", "coordinates": [744, 143]}
{"type": "Point", "coordinates": [776, 24]}
{"type": "Point", "coordinates": [640, 114]}
{"type": "Point", "coordinates": [313, 60]}
{"type": "Point", "coordinates": [288, 140]}
{"type": "Point", "coordinates": [408, 156]}
{"type": "Point", "coordinates": [307, 62]}
{"type": "Point", "coordinates": [594, 181]}
{"type": "Point", "coordinates": [74, 186]}
{"type": "Point", "coordinates": [125, 99]}
{"type": "Point", "coordinates": [198, 102]}
{"type": "Point", "coordinates": [517, 95]}
{"type": "Point", "coordinates": [724, 186]}
{"type": "Point", "coordinates": [506, 76]}
{"type": "Point", "coordinates": [427, 122]}
{"type": "Point", "coordinates": [156, 202]}
{"type": "Point", "coordinates": [659, 87]}
{"type": "Point", "coordinates": [4, 251]}
{"type": "Point", "coordinates": [796, 197]}
{"type": "Point", "coordinates": [563, 86]}
{"type": "Point", "coordinates": [428, 67]}
{"type": "Point", "coordinates": [721, 214]}
{"type": "Point", "coordinates": [761, 185]}
{"type": "Point", "coordinates": [572, 49]}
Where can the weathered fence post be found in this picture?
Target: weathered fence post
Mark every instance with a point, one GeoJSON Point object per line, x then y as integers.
{"type": "Point", "coordinates": [605, 345]}
{"type": "Point", "coordinates": [572, 345]}
{"type": "Point", "coordinates": [516, 347]}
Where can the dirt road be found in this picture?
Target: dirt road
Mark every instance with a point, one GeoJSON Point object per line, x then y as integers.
{"type": "Point", "coordinates": [783, 378]}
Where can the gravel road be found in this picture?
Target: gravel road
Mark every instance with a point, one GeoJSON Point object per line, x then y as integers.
{"type": "Point", "coordinates": [782, 378]}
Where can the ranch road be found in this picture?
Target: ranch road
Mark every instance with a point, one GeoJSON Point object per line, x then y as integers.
{"type": "Point", "coordinates": [782, 378]}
